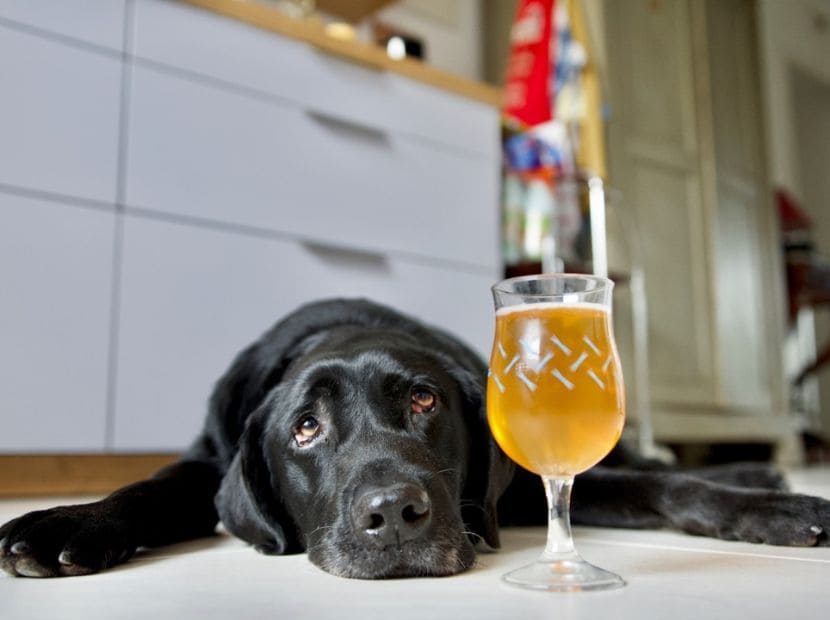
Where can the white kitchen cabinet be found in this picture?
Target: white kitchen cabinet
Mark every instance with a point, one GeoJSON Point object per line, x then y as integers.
{"type": "Point", "coordinates": [59, 115]}
{"type": "Point", "coordinates": [100, 22]}
{"type": "Point", "coordinates": [207, 152]}
{"type": "Point", "coordinates": [193, 297]}
{"type": "Point", "coordinates": [55, 302]}
{"type": "Point", "coordinates": [250, 174]}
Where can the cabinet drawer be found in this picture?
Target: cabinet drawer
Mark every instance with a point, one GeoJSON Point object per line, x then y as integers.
{"type": "Point", "coordinates": [251, 58]}
{"type": "Point", "coordinates": [94, 21]}
{"type": "Point", "coordinates": [202, 151]}
{"type": "Point", "coordinates": [193, 297]}
{"type": "Point", "coordinates": [55, 274]}
{"type": "Point", "coordinates": [58, 116]}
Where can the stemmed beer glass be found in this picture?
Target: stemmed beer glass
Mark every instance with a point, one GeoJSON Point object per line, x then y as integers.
{"type": "Point", "coordinates": [556, 404]}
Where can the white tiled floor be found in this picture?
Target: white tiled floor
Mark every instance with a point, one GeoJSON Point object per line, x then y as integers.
{"type": "Point", "coordinates": [669, 576]}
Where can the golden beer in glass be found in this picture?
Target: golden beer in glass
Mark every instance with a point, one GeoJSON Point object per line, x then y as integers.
{"type": "Point", "coordinates": [556, 403]}
{"type": "Point", "coordinates": [565, 392]}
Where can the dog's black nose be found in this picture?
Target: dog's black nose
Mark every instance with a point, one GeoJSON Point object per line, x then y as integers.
{"type": "Point", "coordinates": [391, 515]}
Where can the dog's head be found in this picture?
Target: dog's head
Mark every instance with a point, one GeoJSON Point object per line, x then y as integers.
{"type": "Point", "coordinates": [373, 454]}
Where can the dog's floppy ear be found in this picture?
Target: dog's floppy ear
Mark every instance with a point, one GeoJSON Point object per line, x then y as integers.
{"type": "Point", "coordinates": [248, 501]}
{"type": "Point", "coordinates": [489, 470]}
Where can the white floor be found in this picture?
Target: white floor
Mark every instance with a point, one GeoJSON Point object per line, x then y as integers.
{"type": "Point", "coordinates": [669, 576]}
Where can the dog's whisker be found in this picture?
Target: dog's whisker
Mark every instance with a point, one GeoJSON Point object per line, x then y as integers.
{"type": "Point", "coordinates": [479, 537]}
{"type": "Point", "coordinates": [311, 548]}
{"type": "Point", "coordinates": [448, 470]}
{"type": "Point", "coordinates": [319, 528]}
{"type": "Point", "coordinates": [434, 474]}
{"type": "Point", "coordinates": [470, 504]}
{"type": "Point", "coordinates": [308, 537]}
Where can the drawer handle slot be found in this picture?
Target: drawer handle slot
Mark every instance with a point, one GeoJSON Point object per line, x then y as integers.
{"type": "Point", "coordinates": [342, 125]}
{"type": "Point", "coordinates": [344, 254]}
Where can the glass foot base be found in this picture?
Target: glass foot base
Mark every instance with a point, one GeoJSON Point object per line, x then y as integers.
{"type": "Point", "coordinates": [573, 575]}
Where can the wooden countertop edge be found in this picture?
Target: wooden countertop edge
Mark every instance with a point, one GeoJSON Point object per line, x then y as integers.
{"type": "Point", "coordinates": [270, 19]}
{"type": "Point", "coordinates": [28, 475]}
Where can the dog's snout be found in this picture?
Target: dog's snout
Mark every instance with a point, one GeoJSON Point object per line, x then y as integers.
{"type": "Point", "coordinates": [391, 515]}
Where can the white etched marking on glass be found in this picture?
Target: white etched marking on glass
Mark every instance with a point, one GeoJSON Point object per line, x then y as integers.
{"type": "Point", "coordinates": [582, 357]}
{"type": "Point", "coordinates": [596, 379]}
{"type": "Point", "coordinates": [502, 351]}
{"type": "Point", "coordinates": [555, 340]}
{"type": "Point", "coordinates": [564, 381]}
{"type": "Point", "coordinates": [499, 384]}
{"type": "Point", "coordinates": [607, 363]}
{"type": "Point", "coordinates": [538, 367]}
{"type": "Point", "coordinates": [511, 364]}
{"type": "Point", "coordinates": [523, 378]}
{"type": "Point", "coordinates": [587, 341]}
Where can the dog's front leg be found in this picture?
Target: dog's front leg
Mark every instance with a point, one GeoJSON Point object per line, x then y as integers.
{"type": "Point", "coordinates": [646, 499]}
{"type": "Point", "coordinates": [175, 505]}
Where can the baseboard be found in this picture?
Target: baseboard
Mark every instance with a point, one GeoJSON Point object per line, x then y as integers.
{"type": "Point", "coordinates": [712, 425]}
{"type": "Point", "coordinates": [26, 475]}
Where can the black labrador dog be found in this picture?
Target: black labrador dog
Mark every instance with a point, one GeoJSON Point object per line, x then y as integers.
{"type": "Point", "coordinates": [359, 435]}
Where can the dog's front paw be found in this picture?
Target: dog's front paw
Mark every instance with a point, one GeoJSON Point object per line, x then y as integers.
{"type": "Point", "coordinates": [63, 541]}
{"type": "Point", "coordinates": [783, 519]}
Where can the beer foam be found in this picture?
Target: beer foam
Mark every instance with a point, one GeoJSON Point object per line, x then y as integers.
{"type": "Point", "coordinates": [553, 305]}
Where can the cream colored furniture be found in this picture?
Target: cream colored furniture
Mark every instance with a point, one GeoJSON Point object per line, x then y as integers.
{"type": "Point", "coordinates": [686, 150]}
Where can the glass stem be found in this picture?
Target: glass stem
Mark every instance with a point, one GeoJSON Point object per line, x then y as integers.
{"type": "Point", "coordinates": [560, 544]}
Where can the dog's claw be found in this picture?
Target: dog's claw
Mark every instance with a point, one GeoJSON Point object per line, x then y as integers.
{"type": "Point", "coordinates": [28, 567]}
{"type": "Point", "coordinates": [19, 548]}
{"type": "Point", "coordinates": [65, 558]}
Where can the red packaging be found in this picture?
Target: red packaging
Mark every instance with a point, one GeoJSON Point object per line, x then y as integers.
{"type": "Point", "coordinates": [527, 98]}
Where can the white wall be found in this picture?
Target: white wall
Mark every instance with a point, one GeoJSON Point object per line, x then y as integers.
{"type": "Point", "coordinates": [451, 30]}
{"type": "Point", "coordinates": [812, 107]}
{"type": "Point", "coordinates": [795, 48]}
{"type": "Point", "coordinates": [789, 39]}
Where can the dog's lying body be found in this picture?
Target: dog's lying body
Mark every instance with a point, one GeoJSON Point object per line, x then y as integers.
{"type": "Point", "coordinates": [360, 435]}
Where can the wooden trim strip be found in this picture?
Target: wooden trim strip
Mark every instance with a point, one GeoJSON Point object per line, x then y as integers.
{"type": "Point", "coordinates": [27, 475]}
{"type": "Point", "coordinates": [310, 31]}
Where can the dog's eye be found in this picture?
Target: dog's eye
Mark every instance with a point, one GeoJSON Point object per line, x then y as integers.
{"type": "Point", "coordinates": [306, 430]}
{"type": "Point", "coordinates": [422, 401]}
